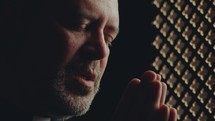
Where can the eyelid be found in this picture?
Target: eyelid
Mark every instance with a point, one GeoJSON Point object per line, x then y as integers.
{"type": "Point", "coordinates": [109, 39]}
{"type": "Point", "coordinates": [82, 26]}
{"type": "Point", "coordinates": [79, 24]}
{"type": "Point", "coordinates": [112, 31]}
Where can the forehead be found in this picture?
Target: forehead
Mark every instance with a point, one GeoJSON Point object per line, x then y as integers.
{"type": "Point", "coordinates": [103, 3]}
{"type": "Point", "coordinates": [99, 4]}
{"type": "Point", "coordinates": [95, 7]}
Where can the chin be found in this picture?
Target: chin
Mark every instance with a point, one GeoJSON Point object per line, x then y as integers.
{"type": "Point", "coordinates": [78, 105]}
{"type": "Point", "coordinates": [66, 105]}
{"type": "Point", "coordinates": [71, 102]}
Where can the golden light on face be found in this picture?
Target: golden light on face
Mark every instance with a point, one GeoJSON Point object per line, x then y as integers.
{"type": "Point", "coordinates": [65, 55]}
{"type": "Point", "coordinates": [77, 90]}
{"type": "Point", "coordinates": [86, 53]}
{"type": "Point", "coordinates": [62, 53]}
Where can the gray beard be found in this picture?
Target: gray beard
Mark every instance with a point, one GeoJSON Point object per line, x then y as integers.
{"type": "Point", "coordinates": [75, 98]}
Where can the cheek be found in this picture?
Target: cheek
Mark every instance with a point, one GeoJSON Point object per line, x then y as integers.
{"type": "Point", "coordinates": [73, 44]}
{"type": "Point", "coordinates": [103, 63]}
{"type": "Point", "coordinates": [44, 49]}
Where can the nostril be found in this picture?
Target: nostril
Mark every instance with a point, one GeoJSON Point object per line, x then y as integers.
{"type": "Point", "coordinates": [95, 50]}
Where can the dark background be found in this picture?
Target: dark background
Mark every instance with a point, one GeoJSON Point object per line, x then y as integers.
{"type": "Point", "coordinates": [131, 55]}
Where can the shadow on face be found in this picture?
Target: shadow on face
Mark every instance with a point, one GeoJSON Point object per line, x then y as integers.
{"type": "Point", "coordinates": [42, 38]}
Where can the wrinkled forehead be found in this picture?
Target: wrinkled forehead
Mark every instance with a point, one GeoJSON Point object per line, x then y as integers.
{"type": "Point", "coordinates": [94, 9]}
{"type": "Point", "coordinates": [106, 3]}
{"type": "Point", "coordinates": [110, 6]}
{"type": "Point", "coordinates": [101, 7]}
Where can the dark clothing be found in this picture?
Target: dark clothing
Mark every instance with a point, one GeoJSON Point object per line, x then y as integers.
{"type": "Point", "coordinates": [9, 112]}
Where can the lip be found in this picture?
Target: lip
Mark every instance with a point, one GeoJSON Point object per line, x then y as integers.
{"type": "Point", "coordinates": [85, 78]}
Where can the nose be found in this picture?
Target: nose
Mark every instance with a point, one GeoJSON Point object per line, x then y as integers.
{"type": "Point", "coordinates": [96, 48]}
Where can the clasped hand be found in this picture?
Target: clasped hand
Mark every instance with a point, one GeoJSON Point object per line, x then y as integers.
{"type": "Point", "coordinates": [144, 100]}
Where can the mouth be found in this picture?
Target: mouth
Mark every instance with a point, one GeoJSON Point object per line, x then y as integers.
{"type": "Point", "coordinates": [85, 78]}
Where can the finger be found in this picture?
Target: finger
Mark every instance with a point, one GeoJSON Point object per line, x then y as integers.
{"type": "Point", "coordinates": [148, 76]}
{"type": "Point", "coordinates": [125, 101]}
{"type": "Point", "coordinates": [162, 114]}
{"type": "Point", "coordinates": [163, 94]}
{"type": "Point", "coordinates": [141, 100]}
{"type": "Point", "coordinates": [148, 96]}
{"type": "Point", "coordinates": [173, 114]}
{"type": "Point", "coordinates": [154, 94]}
{"type": "Point", "coordinates": [149, 103]}
{"type": "Point", "coordinates": [158, 77]}
{"type": "Point", "coordinates": [164, 90]}
{"type": "Point", "coordinates": [149, 87]}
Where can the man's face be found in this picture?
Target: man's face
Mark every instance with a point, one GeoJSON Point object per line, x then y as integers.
{"type": "Point", "coordinates": [65, 56]}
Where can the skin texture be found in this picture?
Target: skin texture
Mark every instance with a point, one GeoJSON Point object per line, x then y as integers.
{"type": "Point", "coordinates": [62, 54]}
{"type": "Point", "coordinates": [144, 99]}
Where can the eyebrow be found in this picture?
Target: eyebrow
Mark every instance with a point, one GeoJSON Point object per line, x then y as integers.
{"type": "Point", "coordinates": [91, 17]}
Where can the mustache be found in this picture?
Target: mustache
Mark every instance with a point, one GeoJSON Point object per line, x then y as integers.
{"type": "Point", "coordinates": [79, 66]}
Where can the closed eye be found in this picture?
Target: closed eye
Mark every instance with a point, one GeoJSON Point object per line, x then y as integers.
{"type": "Point", "coordinates": [109, 39]}
{"type": "Point", "coordinates": [110, 35]}
{"type": "Point", "coordinates": [77, 26]}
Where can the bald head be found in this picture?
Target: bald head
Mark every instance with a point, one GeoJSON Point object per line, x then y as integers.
{"type": "Point", "coordinates": [55, 53]}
